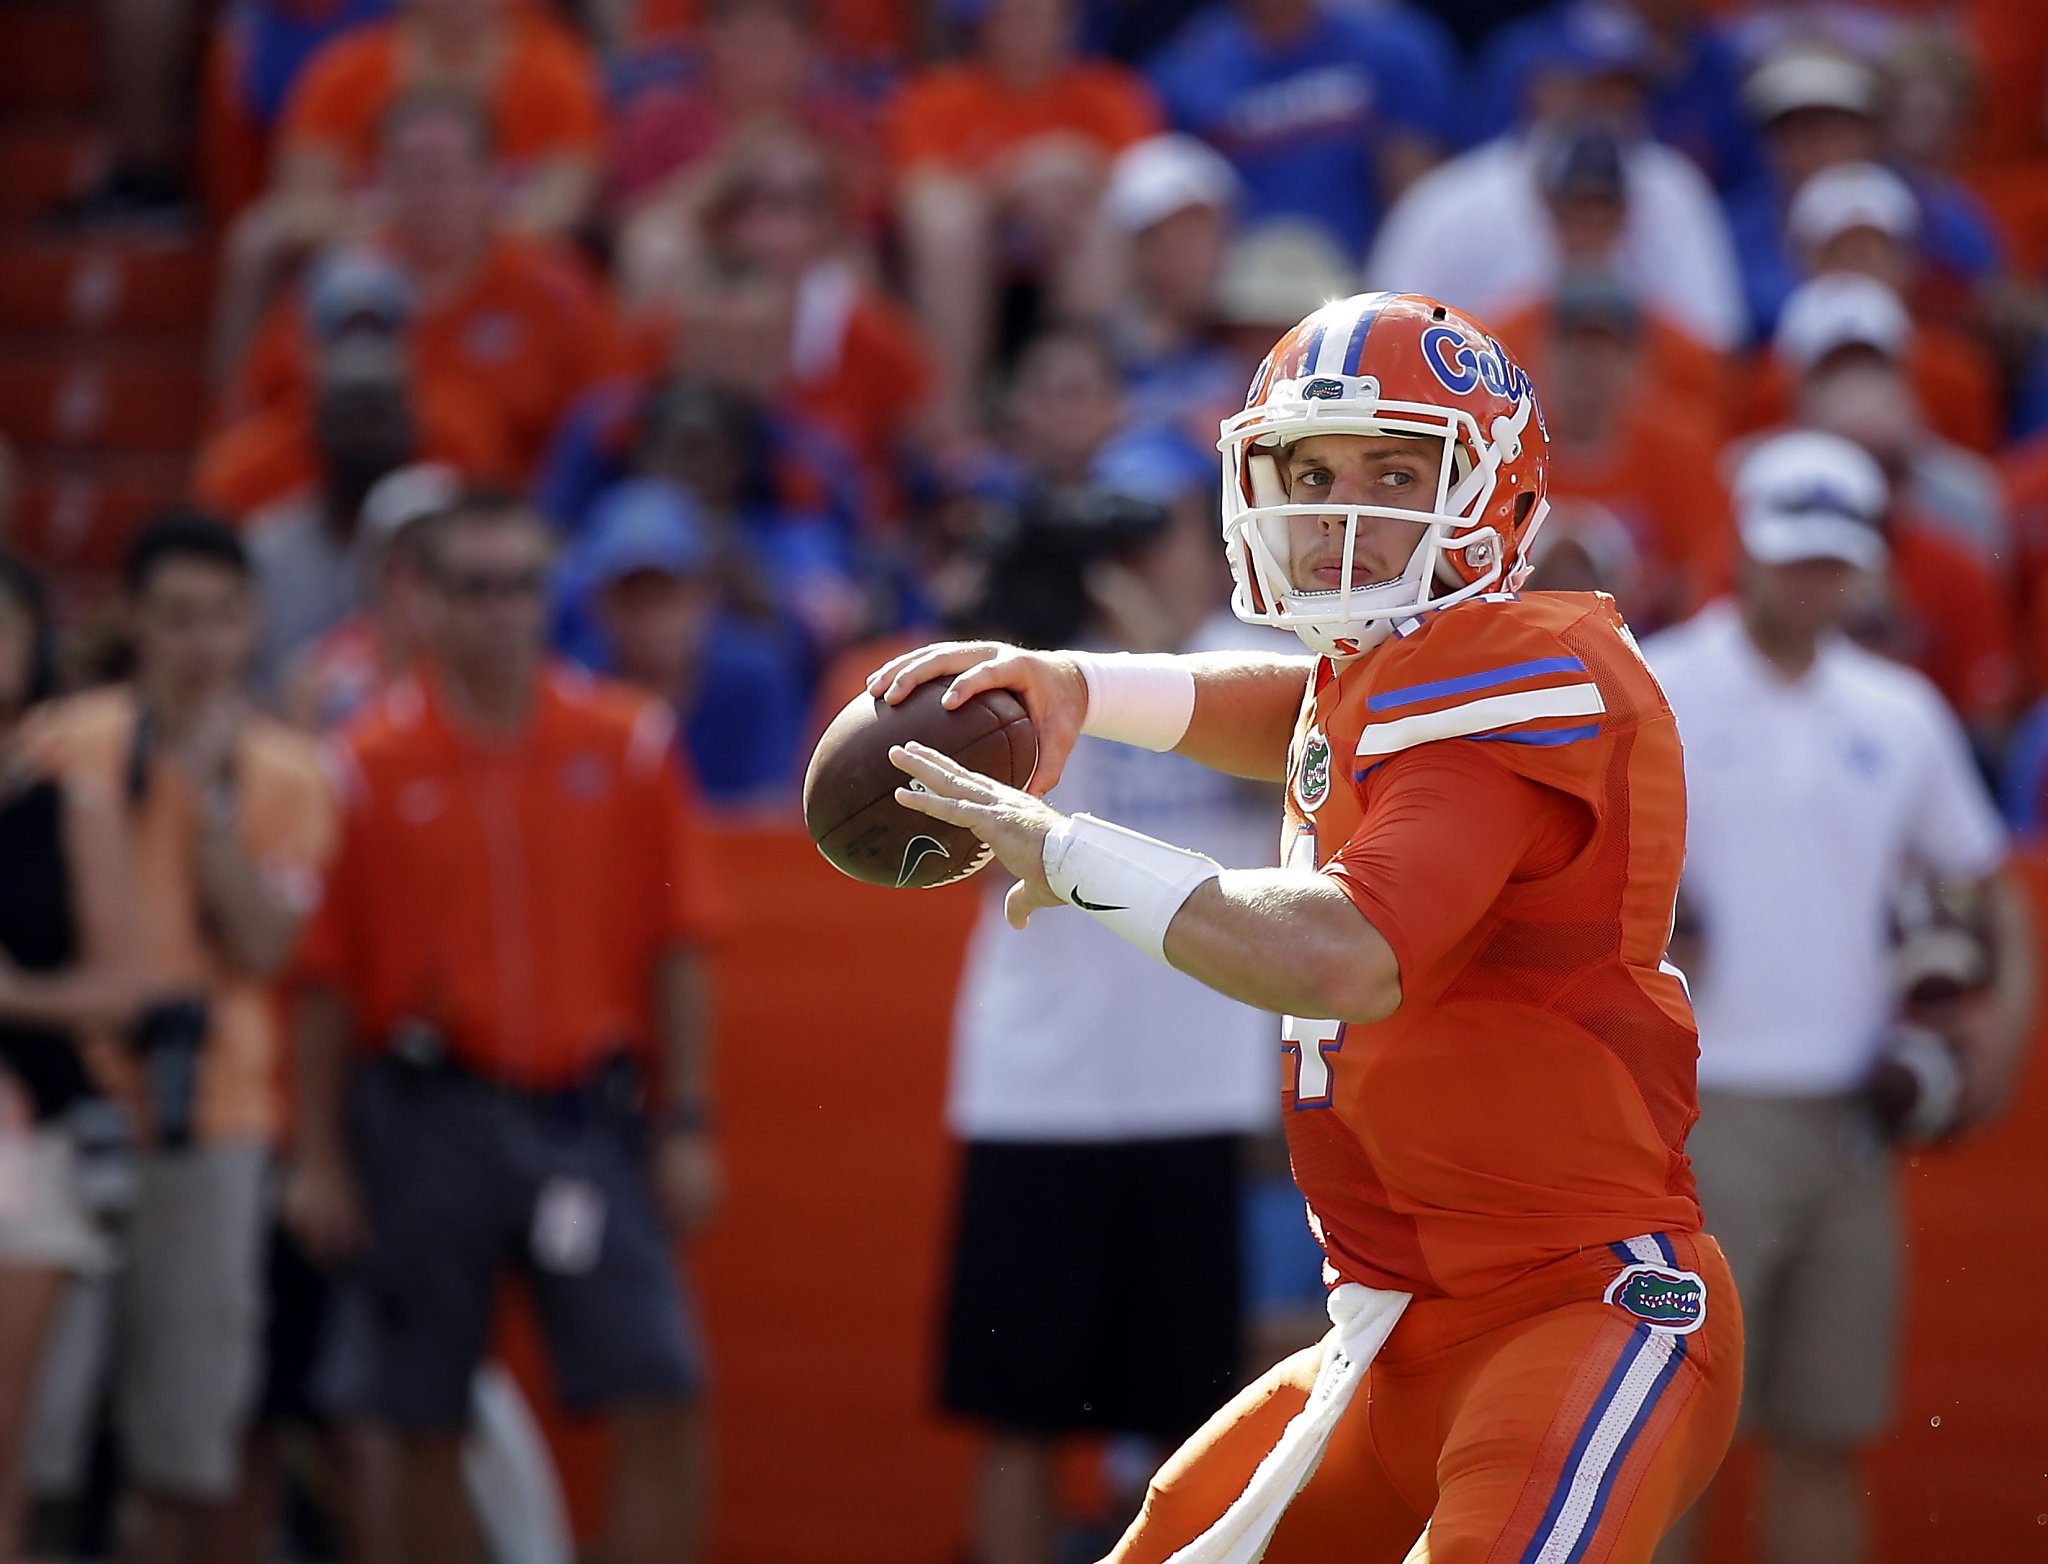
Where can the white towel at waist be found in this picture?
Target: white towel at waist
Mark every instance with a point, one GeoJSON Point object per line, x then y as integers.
{"type": "Point", "coordinates": [1361, 1319]}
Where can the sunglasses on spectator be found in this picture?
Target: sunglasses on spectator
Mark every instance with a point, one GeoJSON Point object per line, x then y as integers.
{"type": "Point", "coordinates": [476, 586]}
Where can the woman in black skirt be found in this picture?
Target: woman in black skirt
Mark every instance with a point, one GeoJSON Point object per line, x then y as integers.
{"type": "Point", "coordinates": [65, 969]}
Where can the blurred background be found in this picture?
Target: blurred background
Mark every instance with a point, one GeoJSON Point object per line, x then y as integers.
{"type": "Point", "coordinates": [806, 331]}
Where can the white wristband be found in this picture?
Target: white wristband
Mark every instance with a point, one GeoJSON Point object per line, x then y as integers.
{"type": "Point", "coordinates": [1141, 698]}
{"type": "Point", "coordinates": [1130, 882]}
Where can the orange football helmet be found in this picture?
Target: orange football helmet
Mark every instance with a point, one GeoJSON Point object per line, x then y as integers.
{"type": "Point", "coordinates": [1386, 364]}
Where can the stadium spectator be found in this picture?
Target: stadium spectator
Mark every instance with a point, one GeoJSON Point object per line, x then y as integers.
{"type": "Point", "coordinates": [1860, 219]}
{"type": "Point", "coordinates": [535, 83]}
{"type": "Point", "coordinates": [776, 212]}
{"type": "Point", "coordinates": [1101, 1099]}
{"type": "Point", "coordinates": [355, 659]}
{"type": "Point", "coordinates": [230, 826]}
{"type": "Point", "coordinates": [998, 161]}
{"type": "Point", "coordinates": [1585, 548]}
{"type": "Point", "coordinates": [66, 966]}
{"type": "Point", "coordinates": [1582, 187]}
{"type": "Point", "coordinates": [759, 65]}
{"type": "Point", "coordinates": [1945, 610]}
{"type": "Point", "coordinates": [500, 319]}
{"type": "Point", "coordinates": [532, 89]}
{"type": "Point", "coordinates": [1169, 207]}
{"type": "Point", "coordinates": [501, 1047]}
{"type": "Point", "coordinates": [1815, 774]}
{"type": "Point", "coordinates": [367, 412]}
{"type": "Point", "coordinates": [1648, 460]}
{"type": "Point", "coordinates": [1328, 114]}
{"type": "Point", "coordinates": [1691, 72]}
{"type": "Point", "coordinates": [870, 37]}
{"type": "Point", "coordinates": [258, 50]}
{"type": "Point", "coordinates": [647, 600]}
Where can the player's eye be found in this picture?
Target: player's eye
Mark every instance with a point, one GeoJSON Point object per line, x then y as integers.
{"type": "Point", "coordinates": [1313, 478]}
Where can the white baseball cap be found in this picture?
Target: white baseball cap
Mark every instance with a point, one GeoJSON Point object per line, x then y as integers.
{"type": "Point", "coordinates": [1162, 175]}
{"type": "Point", "coordinates": [409, 494]}
{"type": "Point", "coordinates": [1811, 495]}
{"type": "Point", "coordinates": [1280, 270]}
{"type": "Point", "coordinates": [1853, 195]}
{"type": "Point", "coordinates": [1839, 310]}
{"type": "Point", "coordinates": [1803, 77]}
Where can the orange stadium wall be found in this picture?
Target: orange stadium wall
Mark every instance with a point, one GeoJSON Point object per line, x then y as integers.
{"type": "Point", "coordinates": [821, 1286]}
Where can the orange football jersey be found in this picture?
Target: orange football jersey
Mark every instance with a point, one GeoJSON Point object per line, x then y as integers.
{"type": "Point", "coordinates": [1499, 788]}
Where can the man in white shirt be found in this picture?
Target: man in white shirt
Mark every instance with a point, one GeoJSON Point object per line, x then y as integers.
{"type": "Point", "coordinates": [1102, 1098]}
{"type": "Point", "coordinates": [1818, 775]}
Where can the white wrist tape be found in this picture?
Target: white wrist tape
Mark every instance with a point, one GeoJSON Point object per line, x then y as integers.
{"type": "Point", "coordinates": [1141, 698]}
{"type": "Point", "coordinates": [1130, 882]}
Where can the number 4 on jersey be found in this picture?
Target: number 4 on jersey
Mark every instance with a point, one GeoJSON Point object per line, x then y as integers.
{"type": "Point", "coordinates": [1311, 1043]}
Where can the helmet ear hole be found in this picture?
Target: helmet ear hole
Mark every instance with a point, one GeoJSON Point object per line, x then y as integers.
{"type": "Point", "coordinates": [1524, 503]}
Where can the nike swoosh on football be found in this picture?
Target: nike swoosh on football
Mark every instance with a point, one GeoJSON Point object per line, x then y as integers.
{"type": "Point", "coordinates": [915, 851]}
{"type": "Point", "coordinates": [1093, 906]}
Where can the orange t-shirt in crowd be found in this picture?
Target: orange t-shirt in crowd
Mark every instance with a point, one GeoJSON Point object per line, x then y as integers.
{"type": "Point", "coordinates": [271, 453]}
{"type": "Point", "coordinates": [527, 334]}
{"type": "Point", "coordinates": [963, 118]}
{"type": "Point", "coordinates": [1676, 366]}
{"type": "Point", "coordinates": [1952, 379]}
{"type": "Point", "coordinates": [1499, 789]}
{"type": "Point", "coordinates": [545, 97]}
{"type": "Point", "coordinates": [1958, 626]}
{"type": "Point", "coordinates": [1661, 478]}
{"type": "Point", "coordinates": [859, 368]}
{"type": "Point", "coordinates": [516, 892]}
{"type": "Point", "coordinates": [285, 820]}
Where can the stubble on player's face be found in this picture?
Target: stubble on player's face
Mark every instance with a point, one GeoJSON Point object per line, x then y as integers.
{"type": "Point", "coordinates": [1388, 471]}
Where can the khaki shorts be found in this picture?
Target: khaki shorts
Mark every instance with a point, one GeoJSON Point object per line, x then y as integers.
{"type": "Point", "coordinates": [179, 1328]}
{"type": "Point", "coordinates": [44, 1222]}
{"type": "Point", "coordinates": [1803, 1196]}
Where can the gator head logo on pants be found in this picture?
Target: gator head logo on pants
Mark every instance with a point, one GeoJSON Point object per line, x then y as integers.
{"type": "Point", "coordinates": [1663, 1299]}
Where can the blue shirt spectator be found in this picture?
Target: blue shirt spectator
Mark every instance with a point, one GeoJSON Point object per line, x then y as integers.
{"type": "Point", "coordinates": [1692, 82]}
{"type": "Point", "coordinates": [639, 595]}
{"type": "Point", "coordinates": [1318, 111]}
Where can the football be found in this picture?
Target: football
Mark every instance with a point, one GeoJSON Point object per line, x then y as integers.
{"type": "Point", "coordinates": [850, 789]}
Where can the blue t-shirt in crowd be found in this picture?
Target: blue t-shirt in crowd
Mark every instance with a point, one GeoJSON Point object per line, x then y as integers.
{"type": "Point", "coordinates": [1694, 103]}
{"type": "Point", "coordinates": [1301, 123]}
{"type": "Point", "coordinates": [271, 44]}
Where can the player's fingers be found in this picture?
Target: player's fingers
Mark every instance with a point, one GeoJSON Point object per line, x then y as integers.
{"type": "Point", "coordinates": [941, 772]}
{"type": "Point", "coordinates": [1017, 906]}
{"type": "Point", "coordinates": [931, 662]}
{"type": "Point", "coordinates": [1000, 672]}
{"type": "Point", "coordinates": [956, 811]}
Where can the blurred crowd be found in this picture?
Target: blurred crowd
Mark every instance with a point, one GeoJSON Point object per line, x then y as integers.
{"type": "Point", "coordinates": [720, 345]}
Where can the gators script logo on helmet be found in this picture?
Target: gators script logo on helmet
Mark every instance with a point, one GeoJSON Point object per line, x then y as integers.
{"type": "Point", "coordinates": [1386, 364]}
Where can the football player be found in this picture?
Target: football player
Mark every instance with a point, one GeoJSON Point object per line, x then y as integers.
{"type": "Point", "coordinates": [1489, 1062]}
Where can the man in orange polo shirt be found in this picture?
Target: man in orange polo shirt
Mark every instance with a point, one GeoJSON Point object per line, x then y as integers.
{"type": "Point", "coordinates": [229, 826]}
{"type": "Point", "coordinates": [504, 1005]}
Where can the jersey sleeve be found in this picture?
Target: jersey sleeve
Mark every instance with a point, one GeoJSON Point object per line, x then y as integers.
{"type": "Point", "coordinates": [1496, 678]}
{"type": "Point", "coordinates": [1449, 828]}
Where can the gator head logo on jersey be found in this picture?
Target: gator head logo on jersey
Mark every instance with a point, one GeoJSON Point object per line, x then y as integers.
{"type": "Point", "coordinates": [1312, 782]}
{"type": "Point", "coordinates": [1663, 1299]}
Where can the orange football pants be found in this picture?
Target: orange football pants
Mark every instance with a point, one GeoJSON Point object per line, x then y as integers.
{"type": "Point", "coordinates": [1532, 1425]}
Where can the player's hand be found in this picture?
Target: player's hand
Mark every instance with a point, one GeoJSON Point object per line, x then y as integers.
{"type": "Point", "coordinates": [1050, 686]}
{"type": "Point", "coordinates": [1010, 820]}
{"type": "Point", "coordinates": [689, 1179]}
{"type": "Point", "coordinates": [323, 1207]}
